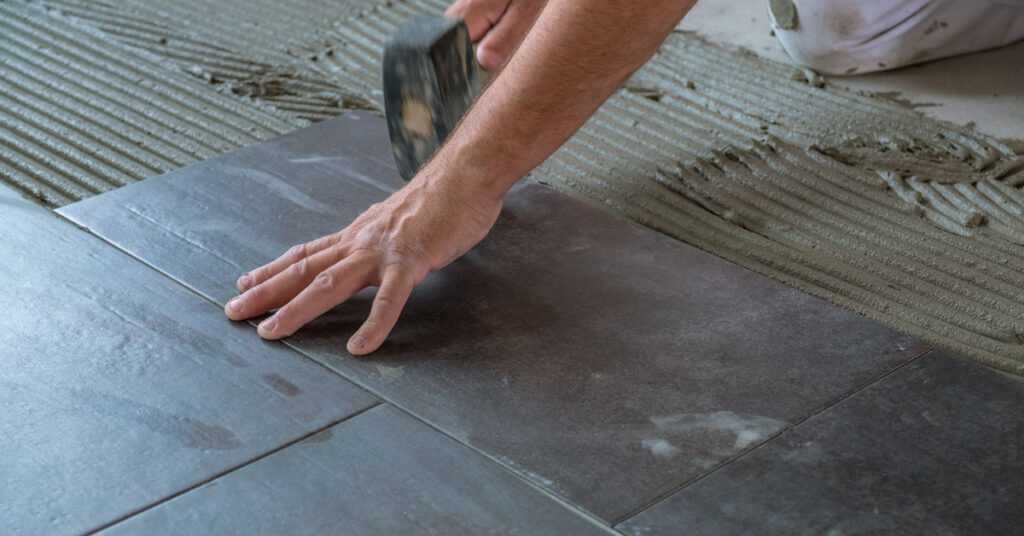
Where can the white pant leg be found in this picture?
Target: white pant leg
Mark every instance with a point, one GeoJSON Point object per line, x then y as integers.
{"type": "Point", "coordinates": [851, 36]}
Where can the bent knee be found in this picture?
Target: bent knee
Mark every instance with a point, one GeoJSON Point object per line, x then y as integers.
{"type": "Point", "coordinates": [833, 36]}
{"type": "Point", "coordinates": [840, 37]}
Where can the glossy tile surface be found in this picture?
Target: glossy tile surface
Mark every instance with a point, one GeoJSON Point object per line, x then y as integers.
{"type": "Point", "coordinates": [118, 387]}
{"type": "Point", "coordinates": [603, 361]}
{"type": "Point", "coordinates": [935, 448]}
{"type": "Point", "coordinates": [382, 472]}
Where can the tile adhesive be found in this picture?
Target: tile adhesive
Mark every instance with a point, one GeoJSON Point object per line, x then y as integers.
{"type": "Point", "coordinates": [855, 198]}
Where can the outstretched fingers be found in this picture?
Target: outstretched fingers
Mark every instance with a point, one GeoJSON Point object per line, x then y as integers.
{"type": "Point", "coordinates": [282, 287]}
{"type": "Point", "coordinates": [295, 254]}
{"type": "Point", "coordinates": [329, 288]}
{"type": "Point", "coordinates": [398, 282]}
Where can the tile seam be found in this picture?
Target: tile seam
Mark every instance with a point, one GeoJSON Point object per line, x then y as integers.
{"type": "Point", "coordinates": [565, 503]}
{"type": "Point", "coordinates": [233, 469]}
{"type": "Point", "coordinates": [785, 430]}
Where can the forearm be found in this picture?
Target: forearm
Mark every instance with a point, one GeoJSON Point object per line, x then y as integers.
{"type": "Point", "coordinates": [577, 53]}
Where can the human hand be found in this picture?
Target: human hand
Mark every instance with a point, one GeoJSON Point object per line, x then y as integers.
{"type": "Point", "coordinates": [496, 26]}
{"type": "Point", "coordinates": [393, 245]}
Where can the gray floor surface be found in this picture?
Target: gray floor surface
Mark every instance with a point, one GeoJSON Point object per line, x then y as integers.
{"type": "Point", "coordinates": [575, 373]}
{"type": "Point", "coordinates": [933, 449]}
{"type": "Point", "coordinates": [562, 306]}
{"type": "Point", "coordinates": [121, 388]}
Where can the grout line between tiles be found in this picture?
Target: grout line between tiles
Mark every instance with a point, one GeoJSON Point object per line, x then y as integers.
{"type": "Point", "coordinates": [177, 281]}
{"type": "Point", "coordinates": [571, 507]}
{"type": "Point", "coordinates": [565, 503]}
{"type": "Point", "coordinates": [600, 522]}
{"type": "Point", "coordinates": [182, 284]}
{"type": "Point", "coordinates": [771, 438]}
{"type": "Point", "coordinates": [231, 470]}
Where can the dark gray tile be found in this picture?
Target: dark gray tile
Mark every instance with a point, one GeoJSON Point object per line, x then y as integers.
{"type": "Point", "coordinates": [603, 361]}
{"type": "Point", "coordinates": [201, 229]}
{"type": "Point", "coordinates": [381, 472]}
{"type": "Point", "coordinates": [118, 387]}
{"type": "Point", "coordinates": [936, 448]}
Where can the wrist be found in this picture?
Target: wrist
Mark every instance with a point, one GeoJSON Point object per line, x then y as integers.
{"type": "Point", "coordinates": [471, 170]}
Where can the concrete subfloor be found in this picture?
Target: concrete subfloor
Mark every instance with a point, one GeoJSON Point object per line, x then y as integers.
{"type": "Point", "coordinates": [128, 417]}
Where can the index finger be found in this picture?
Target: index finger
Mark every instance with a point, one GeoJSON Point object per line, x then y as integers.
{"type": "Point", "coordinates": [330, 288]}
{"type": "Point", "coordinates": [278, 265]}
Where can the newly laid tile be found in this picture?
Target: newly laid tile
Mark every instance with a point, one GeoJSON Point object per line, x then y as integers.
{"type": "Point", "coordinates": [204, 228]}
{"type": "Point", "coordinates": [118, 387]}
{"type": "Point", "coordinates": [936, 448]}
{"type": "Point", "coordinates": [603, 361]}
{"type": "Point", "coordinates": [381, 472]}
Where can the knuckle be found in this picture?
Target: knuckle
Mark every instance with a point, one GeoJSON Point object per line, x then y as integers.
{"type": "Point", "coordinates": [401, 254]}
{"type": "Point", "coordinates": [257, 292]}
{"type": "Point", "coordinates": [387, 301]}
{"type": "Point", "coordinates": [300, 268]}
{"type": "Point", "coordinates": [367, 237]}
{"type": "Point", "coordinates": [258, 275]}
{"type": "Point", "coordinates": [297, 252]}
{"type": "Point", "coordinates": [325, 281]}
{"type": "Point", "coordinates": [409, 269]}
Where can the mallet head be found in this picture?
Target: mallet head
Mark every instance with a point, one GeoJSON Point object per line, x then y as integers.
{"type": "Point", "coordinates": [430, 80]}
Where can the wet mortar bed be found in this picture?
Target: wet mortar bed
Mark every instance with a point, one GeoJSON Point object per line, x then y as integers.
{"type": "Point", "coordinates": [574, 410]}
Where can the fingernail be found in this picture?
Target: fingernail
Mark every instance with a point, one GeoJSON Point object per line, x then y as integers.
{"type": "Point", "coordinates": [235, 305]}
{"type": "Point", "coordinates": [269, 325]}
{"type": "Point", "coordinates": [245, 281]}
{"type": "Point", "coordinates": [357, 343]}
